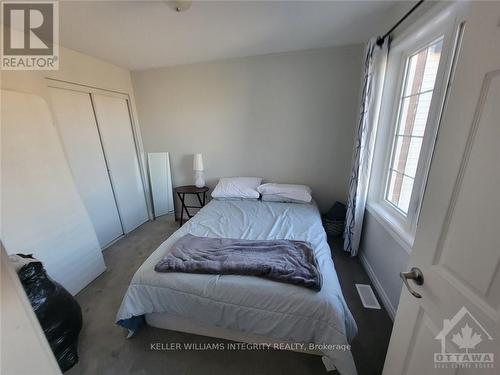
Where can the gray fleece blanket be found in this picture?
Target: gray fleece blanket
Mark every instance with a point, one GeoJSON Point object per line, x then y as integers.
{"type": "Point", "coordinates": [287, 261]}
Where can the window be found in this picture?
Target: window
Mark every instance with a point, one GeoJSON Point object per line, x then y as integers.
{"type": "Point", "coordinates": [418, 70]}
{"type": "Point", "coordinates": [414, 105]}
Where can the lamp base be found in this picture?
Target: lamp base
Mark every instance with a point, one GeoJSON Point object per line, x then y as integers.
{"type": "Point", "coordinates": [199, 180]}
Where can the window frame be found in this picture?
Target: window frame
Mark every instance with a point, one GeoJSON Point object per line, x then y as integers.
{"type": "Point", "coordinates": [421, 35]}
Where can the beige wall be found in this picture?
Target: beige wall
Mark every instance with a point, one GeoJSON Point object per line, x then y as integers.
{"type": "Point", "coordinates": [383, 257]}
{"type": "Point", "coordinates": [41, 210]}
{"type": "Point", "coordinates": [73, 67]}
{"type": "Point", "coordinates": [286, 117]}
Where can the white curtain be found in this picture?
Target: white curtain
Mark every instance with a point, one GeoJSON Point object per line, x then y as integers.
{"type": "Point", "coordinates": [373, 79]}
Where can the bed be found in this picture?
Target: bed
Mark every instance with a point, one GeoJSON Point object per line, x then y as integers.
{"type": "Point", "coordinates": [246, 308]}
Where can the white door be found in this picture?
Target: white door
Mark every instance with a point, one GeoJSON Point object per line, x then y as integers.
{"type": "Point", "coordinates": [115, 128]}
{"type": "Point", "coordinates": [457, 245]}
{"type": "Point", "coordinates": [78, 130]}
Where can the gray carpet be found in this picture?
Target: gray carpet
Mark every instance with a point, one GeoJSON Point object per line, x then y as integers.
{"type": "Point", "coordinates": [103, 348]}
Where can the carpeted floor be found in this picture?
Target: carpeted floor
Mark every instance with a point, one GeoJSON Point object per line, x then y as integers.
{"type": "Point", "coordinates": [103, 348]}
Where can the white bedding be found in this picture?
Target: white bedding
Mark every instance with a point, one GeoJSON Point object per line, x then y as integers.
{"type": "Point", "coordinates": [250, 304]}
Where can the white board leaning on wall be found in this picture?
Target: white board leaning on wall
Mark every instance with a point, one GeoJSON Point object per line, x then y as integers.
{"type": "Point", "coordinates": [42, 211]}
{"type": "Point", "coordinates": [161, 183]}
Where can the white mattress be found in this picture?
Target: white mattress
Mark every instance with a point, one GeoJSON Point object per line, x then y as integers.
{"type": "Point", "coordinates": [252, 305]}
{"type": "Point", "coordinates": [175, 323]}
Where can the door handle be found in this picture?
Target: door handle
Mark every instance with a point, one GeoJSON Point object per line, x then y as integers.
{"type": "Point", "coordinates": [417, 276]}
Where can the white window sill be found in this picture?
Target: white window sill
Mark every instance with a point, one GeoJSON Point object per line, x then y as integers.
{"type": "Point", "coordinates": [392, 225]}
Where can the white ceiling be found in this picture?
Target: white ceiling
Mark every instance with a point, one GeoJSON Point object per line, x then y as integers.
{"type": "Point", "coordinates": [146, 34]}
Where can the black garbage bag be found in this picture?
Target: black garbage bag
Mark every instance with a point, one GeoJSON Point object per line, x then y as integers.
{"type": "Point", "coordinates": [57, 311]}
{"type": "Point", "coordinates": [337, 212]}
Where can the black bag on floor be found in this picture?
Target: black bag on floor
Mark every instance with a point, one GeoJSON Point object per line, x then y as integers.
{"type": "Point", "coordinates": [57, 311]}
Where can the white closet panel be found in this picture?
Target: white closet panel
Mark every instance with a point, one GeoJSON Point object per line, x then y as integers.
{"type": "Point", "coordinates": [119, 147]}
{"type": "Point", "coordinates": [78, 129]}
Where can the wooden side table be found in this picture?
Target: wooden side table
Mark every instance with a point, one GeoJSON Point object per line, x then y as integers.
{"type": "Point", "coordinates": [201, 194]}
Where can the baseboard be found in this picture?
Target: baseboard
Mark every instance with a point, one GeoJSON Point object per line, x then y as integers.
{"type": "Point", "coordinates": [378, 287]}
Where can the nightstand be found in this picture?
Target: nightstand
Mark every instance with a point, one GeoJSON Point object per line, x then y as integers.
{"type": "Point", "coordinates": [201, 194]}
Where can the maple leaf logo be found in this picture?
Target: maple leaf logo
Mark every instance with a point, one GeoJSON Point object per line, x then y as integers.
{"type": "Point", "coordinates": [466, 339]}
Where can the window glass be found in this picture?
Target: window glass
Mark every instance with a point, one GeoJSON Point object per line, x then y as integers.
{"type": "Point", "coordinates": [414, 106]}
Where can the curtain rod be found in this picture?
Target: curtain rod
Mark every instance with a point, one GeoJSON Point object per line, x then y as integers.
{"type": "Point", "coordinates": [380, 39]}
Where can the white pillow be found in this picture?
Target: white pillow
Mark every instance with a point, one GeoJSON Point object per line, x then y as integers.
{"type": "Point", "coordinates": [285, 193]}
{"type": "Point", "coordinates": [237, 187]}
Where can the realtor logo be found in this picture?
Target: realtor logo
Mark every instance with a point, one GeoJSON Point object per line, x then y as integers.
{"type": "Point", "coordinates": [30, 35]}
{"type": "Point", "coordinates": [467, 334]}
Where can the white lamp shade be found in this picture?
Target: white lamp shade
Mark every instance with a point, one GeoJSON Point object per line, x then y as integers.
{"type": "Point", "coordinates": [197, 162]}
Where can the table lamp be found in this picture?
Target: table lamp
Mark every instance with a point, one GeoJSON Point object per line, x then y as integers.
{"type": "Point", "coordinates": [199, 180]}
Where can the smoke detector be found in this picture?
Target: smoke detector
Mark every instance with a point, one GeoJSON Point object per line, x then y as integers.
{"type": "Point", "coordinates": [179, 5]}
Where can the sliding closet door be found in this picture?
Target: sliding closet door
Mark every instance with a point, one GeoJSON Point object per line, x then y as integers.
{"type": "Point", "coordinates": [115, 127]}
{"type": "Point", "coordinates": [78, 130]}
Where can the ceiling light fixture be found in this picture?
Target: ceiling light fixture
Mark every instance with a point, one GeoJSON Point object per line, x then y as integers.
{"type": "Point", "coordinates": [179, 5]}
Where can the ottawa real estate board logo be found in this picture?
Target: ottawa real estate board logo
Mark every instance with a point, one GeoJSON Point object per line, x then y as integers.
{"type": "Point", "coordinates": [30, 35]}
{"type": "Point", "coordinates": [464, 343]}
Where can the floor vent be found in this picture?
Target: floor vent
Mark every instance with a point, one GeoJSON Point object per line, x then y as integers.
{"type": "Point", "coordinates": [367, 296]}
